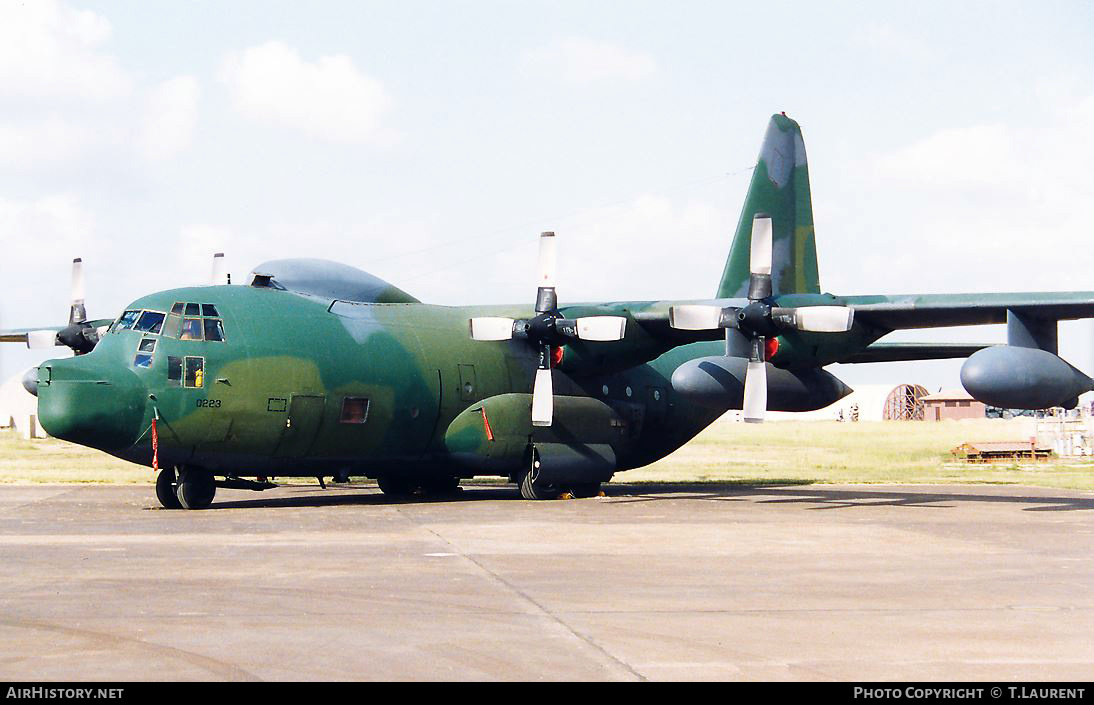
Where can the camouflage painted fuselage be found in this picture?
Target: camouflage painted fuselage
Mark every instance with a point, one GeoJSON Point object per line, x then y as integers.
{"type": "Point", "coordinates": [271, 398]}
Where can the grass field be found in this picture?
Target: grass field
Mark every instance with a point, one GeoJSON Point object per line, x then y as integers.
{"type": "Point", "coordinates": [783, 452]}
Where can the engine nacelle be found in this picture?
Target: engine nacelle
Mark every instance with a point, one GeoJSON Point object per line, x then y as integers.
{"type": "Point", "coordinates": [1022, 378]}
{"type": "Point", "coordinates": [719, 382]}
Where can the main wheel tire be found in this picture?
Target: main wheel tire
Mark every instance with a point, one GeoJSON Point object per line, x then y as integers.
{"type": "Point", "coordinates": [533, 489]}
{"type": "Point", "coordinates": [166, 489]}
{"type": "Point", "coordinates": [397, 487]}
{"type": "Point", "coordinates": [196, 488]}
{"type": "Point", "coordinates": [584, 490]}
{"type": "Point", "coordinates": [441, 486]}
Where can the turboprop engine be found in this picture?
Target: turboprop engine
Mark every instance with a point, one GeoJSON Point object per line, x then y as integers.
{"type": "Point", "coordinates": [1012, 377]}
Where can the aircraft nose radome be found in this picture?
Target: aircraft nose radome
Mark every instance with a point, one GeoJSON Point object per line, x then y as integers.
{"type": "Point", "coordinates": [30, 381]}
{"type": "Point", "coordinates": [91, 404]}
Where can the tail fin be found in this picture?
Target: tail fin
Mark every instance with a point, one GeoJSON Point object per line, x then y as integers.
{"type": "Point", "coordinates": [780, 188]}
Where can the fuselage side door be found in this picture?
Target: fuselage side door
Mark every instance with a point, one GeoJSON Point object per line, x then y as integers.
{"type": "Point", "coordinates": [301, 425]}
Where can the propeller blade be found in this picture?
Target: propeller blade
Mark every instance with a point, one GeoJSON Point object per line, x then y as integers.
{"type": "Point", "coordinates": [546, 298]}
{"type": "Point", "coordinates": [695, 317]}
{"type": "Point", "coordinates": [825, 319]}
{"type": "Point", "coordinates": [759, 260]}
{"type": "Point", "coordinates": [602, 328]}
{"type": "Point", "coordinates": [217, 277]}
{"type": "Point", "coordinates": [543, 398]}
{"type": "Point", "coordinates": [491, 328]}
{"type": "Point", "coordinates": [39, 339]}
{"type": "Point", "coordinates": [755, 398]}
{"type": "Point", "coordinates": [77, 313]}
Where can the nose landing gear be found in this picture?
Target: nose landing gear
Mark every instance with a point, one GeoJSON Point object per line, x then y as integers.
{"type": "Point", "coordinates": [185, 488]}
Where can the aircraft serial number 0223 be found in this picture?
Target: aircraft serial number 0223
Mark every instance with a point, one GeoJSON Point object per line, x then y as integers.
{"type": "Point", "coordinates": [322, 370]}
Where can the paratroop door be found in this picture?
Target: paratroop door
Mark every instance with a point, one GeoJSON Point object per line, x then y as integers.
{"type": "Point", "coordinates": [301, 425]}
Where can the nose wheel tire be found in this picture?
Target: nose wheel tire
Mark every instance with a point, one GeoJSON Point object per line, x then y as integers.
{"type": "Point", "coordinates": [196, 488]}
{"type": "Point", "coordinates": [166, 489]}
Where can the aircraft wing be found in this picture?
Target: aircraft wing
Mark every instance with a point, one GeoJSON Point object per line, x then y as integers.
{"type": "Point", "coordinates": [899, 352]}
{"type": "Point", "coordinates": [943, 310]}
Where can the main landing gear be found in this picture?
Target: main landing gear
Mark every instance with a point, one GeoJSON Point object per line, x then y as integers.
{"type": "Point", "coordinates": [533, 486]}
{"type": "Point", "coordinates": [185, 488]}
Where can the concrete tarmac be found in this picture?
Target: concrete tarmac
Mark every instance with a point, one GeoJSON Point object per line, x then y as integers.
{"type": "Point", "coordinates": [652, 582]}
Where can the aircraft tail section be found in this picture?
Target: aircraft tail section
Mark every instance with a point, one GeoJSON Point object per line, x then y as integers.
{"type": "Point", "coordinates": [779, 188]}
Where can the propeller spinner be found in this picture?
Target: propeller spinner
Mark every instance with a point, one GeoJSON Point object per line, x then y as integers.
{"type": "Point", "coordinates": [547, 330]}
{"type": "Point", "coordinates": [749, 328]}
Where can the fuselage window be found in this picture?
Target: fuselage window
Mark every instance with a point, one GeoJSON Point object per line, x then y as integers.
{"type": "Point", "coordinates": [174, 371]}
{"type": "Point", "coordinates": [354, 410]}
{"type": "Point", "coordinates": [195, 372]}
{"type": "Point", "coordinates": [191, 329]}
{"type": "Point", "coordinates": [145, 351]}
{"type": "Point", "coordinates": [127, 320]}
{"type": "Point", "coordinates": [214, 329]}
{"type": "Point", "coordinates": [149, 322]}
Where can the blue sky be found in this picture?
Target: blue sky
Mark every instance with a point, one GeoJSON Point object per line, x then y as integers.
{"type": "Point", "coordinates": [429, 143]}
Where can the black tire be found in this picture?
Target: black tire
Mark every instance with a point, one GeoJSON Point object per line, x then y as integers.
{"type": "Point", "coordinates": [396, 487]}
{"type": "Point", "coordinates": [584, 490]}
{"type": "Point", "coordinates": [530, 488]}
{"type": "Point", "coordinates": [166, 489]}
{"type": "Point", "coordinates": [196, 488]}
{"type": "Point", "coordinates": [441, 486]}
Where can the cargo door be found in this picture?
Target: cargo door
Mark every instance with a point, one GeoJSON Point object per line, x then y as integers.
{"type": "Point", "coordinates": [301, 425]}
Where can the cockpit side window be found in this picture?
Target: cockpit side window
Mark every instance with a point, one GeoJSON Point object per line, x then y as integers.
{"type": "Point", "coordinates": [214, 329]}
{"type": "Point", "coordinates": [127, 320]}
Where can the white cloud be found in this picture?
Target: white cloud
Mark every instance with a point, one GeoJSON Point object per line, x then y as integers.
{"type": "Point", "coordinates": [989, 207]}
{"type": "Point", "coordinates": [46, 142]}
{"type": "Point", "coordinates": [51, 51]}
{"type": "Point", "coordinates": [583, 61]}
{"type": "Point", "coordinates": [982, 156]}
{"type": "Point", "coordinates": [329, 98]}
{"type": "Point", "coordinates": [169, 117]}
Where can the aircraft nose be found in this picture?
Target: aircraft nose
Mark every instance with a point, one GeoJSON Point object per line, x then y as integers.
{"type": "Point", "coordinates": [86, 402]}
{"type": "Point", "coordinates": [30, 381]}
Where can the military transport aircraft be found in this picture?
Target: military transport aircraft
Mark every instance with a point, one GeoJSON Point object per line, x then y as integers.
{"type": "Point", "coordinates": [317, 369]}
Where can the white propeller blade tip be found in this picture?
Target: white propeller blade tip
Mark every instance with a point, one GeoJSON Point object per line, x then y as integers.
{"type": "Point", "coordinates": [825, 319]}
{"type": "Point", "coordinates": [39, 339]}
{"type": "Point", "coordinates": [543, 399]}
{"type": "Point", "coordinates": [601, 328]}
{"type": "Point", "coordinates": [695, 317]}
{"type": "Point", "coordinates": [491, 328]}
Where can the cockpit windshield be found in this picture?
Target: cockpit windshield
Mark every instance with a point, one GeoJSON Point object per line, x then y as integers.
{"type": "Point", "coordinates": [149, 322]}
{"type": "Point", "coordinates": [194, 321]}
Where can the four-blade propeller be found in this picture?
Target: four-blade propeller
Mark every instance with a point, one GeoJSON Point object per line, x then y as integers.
{"type": "Point", "coordinates": [750, 328]}
{"type": "Point", "coordinates": [547, 331]}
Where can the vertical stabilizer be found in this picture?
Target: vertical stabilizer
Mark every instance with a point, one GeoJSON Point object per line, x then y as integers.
{"type": "Point", "coordinates": [779, 188]}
